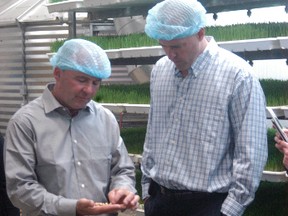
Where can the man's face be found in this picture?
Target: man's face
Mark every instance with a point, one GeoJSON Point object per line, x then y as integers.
{"type": "Point", "coordinates": [74, 89]}
{"type": "Point", "coordinates": [183, 52]}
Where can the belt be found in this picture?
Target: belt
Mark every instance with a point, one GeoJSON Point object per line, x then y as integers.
{"type": "Point", "coordinates": [166, 191]}
{"type": "Point", "coordinates": [193, 194]}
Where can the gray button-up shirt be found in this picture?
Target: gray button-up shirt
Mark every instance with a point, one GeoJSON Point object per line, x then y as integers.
{"type": "Point", "coordinates": [52, 159]}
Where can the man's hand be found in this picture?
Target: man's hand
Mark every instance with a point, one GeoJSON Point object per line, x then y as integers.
{"type": "Point", "coordinates": [124, 197]}
{"type": "Point", "coordinates": [282, 146]}
{"type": "Point", "coordinates": [89, 207]}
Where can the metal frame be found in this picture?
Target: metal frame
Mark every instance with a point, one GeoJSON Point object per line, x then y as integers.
{"type": "Point", "coordinates": [254, 49]}
{"type": "Point", "coordinates": [118, 8]}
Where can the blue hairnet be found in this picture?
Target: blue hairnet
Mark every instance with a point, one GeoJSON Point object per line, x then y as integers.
{"type": "Point", "coordinates": [83, 56]}
{"type": "Point", "coordinates": [174, 19]}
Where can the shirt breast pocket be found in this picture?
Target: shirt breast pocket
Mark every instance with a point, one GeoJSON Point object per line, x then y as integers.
{"type": "Point", "coordinates": [100, 162]}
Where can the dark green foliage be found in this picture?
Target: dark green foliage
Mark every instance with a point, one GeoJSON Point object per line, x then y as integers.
{"type": "Point", "coordinates": [275, 157]}
{"type": "Point", "coordinates": [276, 91]}
{"type": "Point", "coordinates": [248, 31]}
{"type": "Point", "coordinates": [134, 139]}
{"type": "Point", "coordinates": [133, 94]}
{"type": "Point", "coordinates": [270, 200]}
{"type": "Point", "coordinates": [138, 182]}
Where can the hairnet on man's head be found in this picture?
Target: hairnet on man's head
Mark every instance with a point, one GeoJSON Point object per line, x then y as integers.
{"type": "Point", "coordinates": [82, 56]}
{"type": "Point", "coordinates": [174, 19]}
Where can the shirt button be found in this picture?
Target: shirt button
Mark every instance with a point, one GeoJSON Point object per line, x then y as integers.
{"type": "Point", "coordinates": [75, 141]}
{"type": "Point", "coordinates": [79, 163]}
{"type": "Point", "coordinates": [82, 185]}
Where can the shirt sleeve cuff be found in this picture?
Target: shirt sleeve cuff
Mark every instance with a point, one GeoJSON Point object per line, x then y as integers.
{"type": "Point", "coordinates": [145, 188]}
{"type": "Point", "coordinates": [232, 207]}
{"type": "Point", "coordinates": [67, 207]}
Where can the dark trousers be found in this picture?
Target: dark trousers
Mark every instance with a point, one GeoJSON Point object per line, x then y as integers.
{"type": "Point", "coordinates": [165, 202]}
{"type": "Point", "coordinates": [6, 207]}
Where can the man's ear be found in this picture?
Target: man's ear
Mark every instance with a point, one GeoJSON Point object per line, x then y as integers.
{"type": "Point", "coordinates": [57, 72]}
{"type": "Point", "coordinates": [201, 33]}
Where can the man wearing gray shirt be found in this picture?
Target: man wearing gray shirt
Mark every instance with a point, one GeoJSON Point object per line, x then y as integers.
{"type": "Point", "coordinates": [63, 152]}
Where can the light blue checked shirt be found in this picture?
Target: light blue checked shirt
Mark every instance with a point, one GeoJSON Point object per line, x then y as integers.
{"type": "Point", "coordinates": [207, 132]}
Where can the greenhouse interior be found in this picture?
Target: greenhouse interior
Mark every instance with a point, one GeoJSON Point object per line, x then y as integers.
{"type": "Point", "coordinates": [31, 31]}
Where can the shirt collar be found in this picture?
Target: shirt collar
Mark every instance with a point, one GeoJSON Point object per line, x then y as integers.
{"type": "Point", "coordinates": [51, 104]}
{"type": "Point", "coordinates": [201, 61]}
{"type": "Point", "coordinates": [178, 74]}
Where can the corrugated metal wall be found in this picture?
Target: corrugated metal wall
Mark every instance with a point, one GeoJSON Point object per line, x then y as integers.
{"type": "Point", "coordinates": [37, 44]}
{"type": "Point", "coordinates": [11, 74]}
{"type": "Point", "coordinates": [24, 64]}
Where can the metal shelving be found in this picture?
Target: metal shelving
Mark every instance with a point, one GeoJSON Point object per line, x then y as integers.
{"type": "Point", "coordinates": [254, 49]}
{"type": "Point", "coordinates": [260, 49]}
{"type": "Point", "coordinates": [120, 8]}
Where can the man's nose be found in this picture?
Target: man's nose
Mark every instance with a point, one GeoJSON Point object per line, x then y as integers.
{"type": "Point", "coordinates": [89, 88]}
{"type": "Point", "coordinates": [171, 53]}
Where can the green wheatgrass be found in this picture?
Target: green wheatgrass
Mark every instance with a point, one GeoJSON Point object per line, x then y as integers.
{"type": "Point", "coordinates": [220, 33]}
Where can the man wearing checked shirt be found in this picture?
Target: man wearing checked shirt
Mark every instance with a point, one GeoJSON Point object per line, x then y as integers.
{"type": "Point", "coordinates": [206, 141]}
